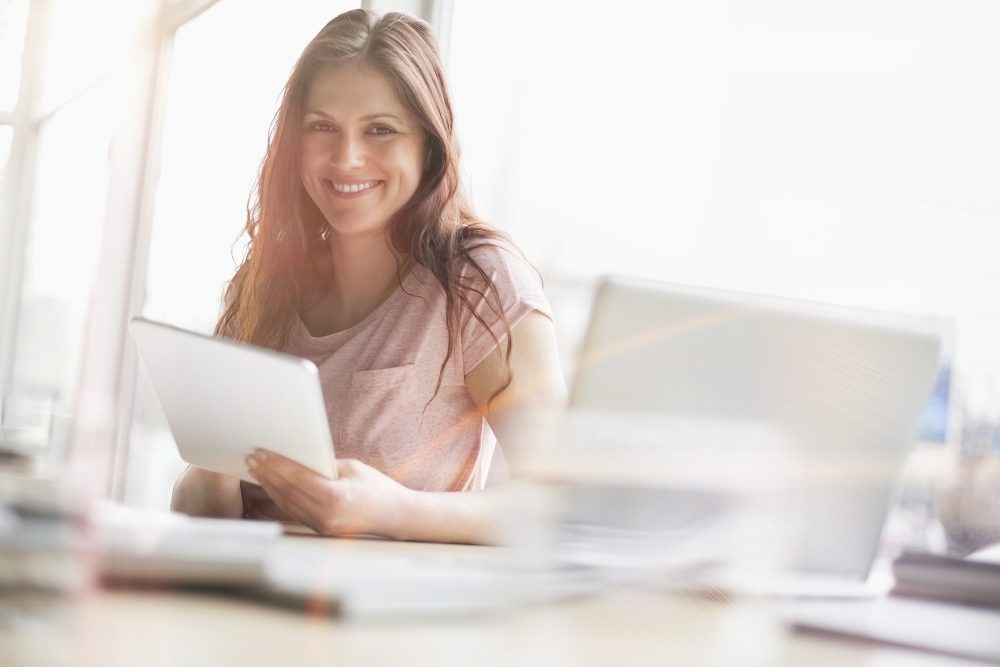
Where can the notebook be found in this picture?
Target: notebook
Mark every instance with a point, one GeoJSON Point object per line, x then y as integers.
{"type": "Point", "coordinates": [969, 632]}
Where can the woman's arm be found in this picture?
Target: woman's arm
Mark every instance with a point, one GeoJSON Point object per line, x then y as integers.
{"type": "Point", "coordinates": [364, 500]}
{"type": "Point", "coordinates": [523, 417]}
{"type": "Point", "coordinates": [199, 492]}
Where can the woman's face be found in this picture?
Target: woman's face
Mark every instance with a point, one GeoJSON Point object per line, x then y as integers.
{"type": "Point", "coordinates": [362, 151]}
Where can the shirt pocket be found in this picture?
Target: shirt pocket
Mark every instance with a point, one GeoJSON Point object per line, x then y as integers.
{"type": "Point", "coordinates": [380, 423]}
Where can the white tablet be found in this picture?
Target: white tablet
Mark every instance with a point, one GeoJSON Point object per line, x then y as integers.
{"type": "Point", "coordinates": [224, 399]}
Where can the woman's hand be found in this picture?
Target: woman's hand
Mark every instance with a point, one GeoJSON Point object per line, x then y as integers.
{"type": "Point", "coordinates": [361, 501]}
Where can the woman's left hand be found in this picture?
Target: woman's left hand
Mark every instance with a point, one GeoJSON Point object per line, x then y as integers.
{"type": "Point", "coordinates": [361, 501]}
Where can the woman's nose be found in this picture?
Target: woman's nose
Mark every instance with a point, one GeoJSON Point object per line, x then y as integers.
{"type": "Point", "coordinates": [348, 153]}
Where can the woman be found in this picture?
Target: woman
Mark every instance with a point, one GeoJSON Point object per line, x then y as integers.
{"type": "Point", "coordinates": [365, 257]}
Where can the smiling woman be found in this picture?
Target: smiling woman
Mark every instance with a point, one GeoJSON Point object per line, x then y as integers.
{"type": "Point", "coordinates": [365, 257]}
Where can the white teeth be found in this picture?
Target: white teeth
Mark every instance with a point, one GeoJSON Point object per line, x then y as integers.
{"type": "Point", "coordinates": [355, 187]}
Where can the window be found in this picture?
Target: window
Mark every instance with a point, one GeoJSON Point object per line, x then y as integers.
{"type": "Point", "coordinates": [13, 22]}
{"type": "Point", "coordinates": [64, 238]}
{"type": "Point", "coordinates": [66, 130]}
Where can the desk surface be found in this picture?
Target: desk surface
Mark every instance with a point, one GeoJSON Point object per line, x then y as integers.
{"type": "Point", "coordinates": [151, 627]}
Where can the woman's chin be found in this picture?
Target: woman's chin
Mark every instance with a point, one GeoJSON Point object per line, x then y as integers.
{"type": "Point", "coordinates": [344, 229]}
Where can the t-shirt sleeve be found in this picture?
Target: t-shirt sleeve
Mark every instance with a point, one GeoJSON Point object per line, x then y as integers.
{"type": "Point", "coordinates": [519, 288]}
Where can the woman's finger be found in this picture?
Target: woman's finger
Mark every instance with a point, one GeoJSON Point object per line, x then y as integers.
{"type": "Point", "coordinates": [276, 488]}
{"type": "Point", "coordinates": [290, 497]}
{"type": "Point", "coordinates": [308, 482]}
{"type": "Point", "coordinates": [286, 502]}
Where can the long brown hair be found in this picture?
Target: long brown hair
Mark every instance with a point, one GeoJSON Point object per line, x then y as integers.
{"type": "Point", "coordinates": [437, 228]}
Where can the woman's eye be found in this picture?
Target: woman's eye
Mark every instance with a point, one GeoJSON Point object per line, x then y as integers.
{"type": "Point", "coordinates": [320, 126]}
{"type": "Point", "coordinates": [382, 130]}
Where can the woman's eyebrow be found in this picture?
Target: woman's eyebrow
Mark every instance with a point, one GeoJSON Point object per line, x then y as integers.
{"type": "Point", "coordinates": [371, 116]}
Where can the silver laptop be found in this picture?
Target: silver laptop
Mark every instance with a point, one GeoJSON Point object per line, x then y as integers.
{"type": "Point", "coordinates": [223, 399]}
{"type": "Point", "coordinates": [843, 387]}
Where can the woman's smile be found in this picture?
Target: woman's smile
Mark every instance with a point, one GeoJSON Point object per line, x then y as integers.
{"type": "Point", "coordinates": [352, 189]}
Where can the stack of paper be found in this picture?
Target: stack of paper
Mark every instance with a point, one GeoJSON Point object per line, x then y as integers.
{"type": "Point", "coordinates": [136, 546]}
{"type": "Point", "coordinates": [39, 537]}
{"type": "Point", "coordinates": [947, 578]}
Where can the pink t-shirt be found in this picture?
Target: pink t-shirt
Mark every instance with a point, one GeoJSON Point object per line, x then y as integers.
{"type": "Point", "coordinates": [378, 376]}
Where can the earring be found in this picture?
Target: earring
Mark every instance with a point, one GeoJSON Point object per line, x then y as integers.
{"type": "Point", "coordinates": [325, 234]}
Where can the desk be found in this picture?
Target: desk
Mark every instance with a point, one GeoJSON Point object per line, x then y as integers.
{"type": "Point", "coordinates": [148, 627]}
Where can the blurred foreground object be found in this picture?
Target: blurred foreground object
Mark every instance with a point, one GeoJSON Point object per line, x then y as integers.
{"type": "Point", "coordinates": [968, 503]}
{"type": "Point", "coordinates": [41, 537]}
{"type": "Point", "coordinates": [960, 580]}
{"type": "Point", "coordinates": [668, 501]}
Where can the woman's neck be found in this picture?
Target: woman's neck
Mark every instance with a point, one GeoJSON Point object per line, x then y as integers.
{"type": "Point", "coordinates": [363, 272]}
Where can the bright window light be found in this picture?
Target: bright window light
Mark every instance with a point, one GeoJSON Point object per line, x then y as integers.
{"type": "Point", "coordinates": [847, 152]}
{"type": "Point", "coordinates": [69, 207]}
{"type": "Point", "coordinates": [13, 22]}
